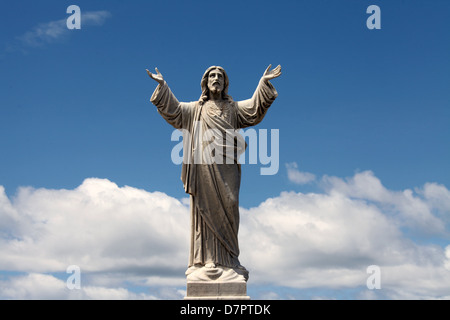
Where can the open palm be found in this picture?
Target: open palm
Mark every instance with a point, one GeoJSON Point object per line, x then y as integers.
{"type": "Point", "coordinates": [158, 77]}
{"type": "Point", "coordinates": [271, 74]}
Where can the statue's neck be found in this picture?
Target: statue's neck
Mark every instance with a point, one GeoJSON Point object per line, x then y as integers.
{"type": "Point", "coordinates": [215, 96]}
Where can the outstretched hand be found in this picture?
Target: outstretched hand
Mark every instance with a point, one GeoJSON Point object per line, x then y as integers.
{"type": "Point", "coordinates": [271, 74]}
{"type": "Point", "coordinates": [158, 77]}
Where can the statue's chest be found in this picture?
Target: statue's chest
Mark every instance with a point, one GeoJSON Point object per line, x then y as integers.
{"type": "Point", "coordinates": [221, 110]}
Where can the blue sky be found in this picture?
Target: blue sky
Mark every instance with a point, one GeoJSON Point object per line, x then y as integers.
{"type": "Point", "coordinates": [364, 113]}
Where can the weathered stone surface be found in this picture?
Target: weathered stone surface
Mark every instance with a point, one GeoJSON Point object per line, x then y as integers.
{"type": "Point", "coordinates": [223, 274]}
{"type": "Point", "coordinates": [216, 290]}
{"type": "Point", "coordinates": [211, 174]}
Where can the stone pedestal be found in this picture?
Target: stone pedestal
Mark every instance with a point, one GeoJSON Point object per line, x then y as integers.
{"type": "Point", "coordinates": [218, 283]}
{"type": "Point", "coordinates": [216, 290]}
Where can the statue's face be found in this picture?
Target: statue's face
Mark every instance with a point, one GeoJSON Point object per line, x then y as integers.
{"type": "Point", "coordinates": [215, 81]}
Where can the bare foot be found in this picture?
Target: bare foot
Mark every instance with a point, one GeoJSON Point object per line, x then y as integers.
{"type": "Point", "coordinates": [210, 265]}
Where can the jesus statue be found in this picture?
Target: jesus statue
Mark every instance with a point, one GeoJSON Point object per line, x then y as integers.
{"type": "Point", "coordinates": [213, 186]}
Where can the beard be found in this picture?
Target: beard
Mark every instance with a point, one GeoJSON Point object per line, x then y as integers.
{"type": "Point", "coordinates": [215, 89]}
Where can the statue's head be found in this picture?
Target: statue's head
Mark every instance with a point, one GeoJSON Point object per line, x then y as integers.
{"type": "Point", "coordinates": [214, 79]}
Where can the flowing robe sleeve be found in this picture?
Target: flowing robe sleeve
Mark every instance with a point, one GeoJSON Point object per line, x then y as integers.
{"type": "Point", "coordinates": [251, 112]}
{"type": "Point", "coordinates": [177, 114]}
{"type": "Point", "coordinates": [181, 116]}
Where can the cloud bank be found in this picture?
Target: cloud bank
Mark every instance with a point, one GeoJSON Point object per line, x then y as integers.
{"type": "Point", "coordinates": [123, 237]}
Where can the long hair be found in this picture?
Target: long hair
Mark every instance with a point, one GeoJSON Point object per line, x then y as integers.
{"type": "Point", "coordinates": [204, 84]}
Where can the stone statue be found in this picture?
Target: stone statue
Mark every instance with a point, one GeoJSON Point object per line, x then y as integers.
{"type": "Point", "coordinates": [213, 185]}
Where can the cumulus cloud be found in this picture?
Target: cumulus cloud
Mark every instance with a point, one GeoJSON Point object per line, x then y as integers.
{"type": "Point", "coordinates": [329, 240]}
{"type": "Point", "coordinates": [52, 31]}
{"type": "Point", "coordinates": [438, 197]}
{"type": "Point", "coordinates": [298, 177]}
{"type": "Point", "coordinates": [98, 226]}
{"type": "Point", "coordinates": [36, 286]}
{"type": "Point", "coordinates": [124, 236]}
{"type": "Point", "coordinates": [412, 210]}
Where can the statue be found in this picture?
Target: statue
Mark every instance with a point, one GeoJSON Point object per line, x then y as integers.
{"type": "Point", "coordinates": [213, 185]}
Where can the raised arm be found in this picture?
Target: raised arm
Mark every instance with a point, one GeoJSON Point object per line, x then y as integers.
{"type": "Point", "coordinates": [252, 111]}
{"type": "Point", "coordinates": [174, 112]}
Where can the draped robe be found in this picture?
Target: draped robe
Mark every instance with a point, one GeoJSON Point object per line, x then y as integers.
{"type": "Point", "coordinates": [213, 187]}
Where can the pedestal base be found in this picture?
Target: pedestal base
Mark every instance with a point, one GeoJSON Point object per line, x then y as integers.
{"type": "Point", "coordinates": [217, 283]}
{"type": "Point", "coordinates": [215, 290]}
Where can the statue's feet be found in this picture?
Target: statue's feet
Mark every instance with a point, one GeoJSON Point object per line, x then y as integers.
{"type": "Point", "coordinates": [193, 268]}
{"type": "Point", "coordinates": [210, 265]}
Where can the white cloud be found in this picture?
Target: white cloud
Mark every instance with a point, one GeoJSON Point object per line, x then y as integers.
{"type": "Point", "coordinates": [33, 286]}
{"type": "Point", "coordinates": [123, 236]}
{"type": "Point", "coordinates": [318, 240]}
{"type": "Point", "coordinates": [328, 240]}
{"type": "Point", "coordinates": [447, 256]}
{"type": "Point", "coordinates": [438, 196]}
{"type": "Point", "coordinates": [95, 18]}
{"type": "Point", "coordinates": [100, 293]}
{"type": "Point", "coordinates": [298, 177]}
{"type": "Point", "coordinates": [99, 227]}
{"type": "Point", "coordinates": [49, 32]}
{"type": "Point", "coordinates": [47, 287]}
{"type": "Point", "coordinates": [412, 211]}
